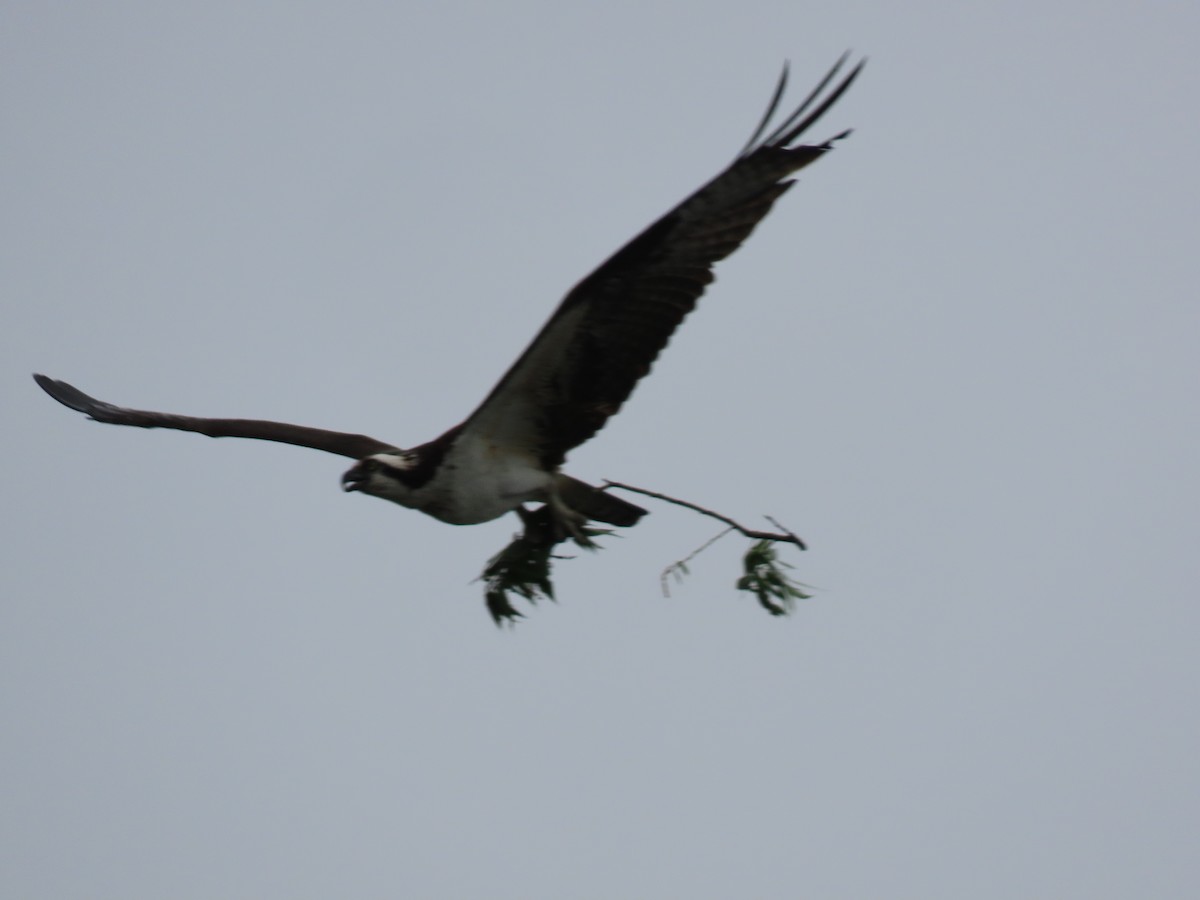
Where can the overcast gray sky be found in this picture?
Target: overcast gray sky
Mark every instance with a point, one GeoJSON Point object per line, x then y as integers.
{"type": "Point", "coordinates": [959, 359]}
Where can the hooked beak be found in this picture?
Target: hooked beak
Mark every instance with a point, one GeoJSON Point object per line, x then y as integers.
{"type": "Point", "coordinates": [352, 481]}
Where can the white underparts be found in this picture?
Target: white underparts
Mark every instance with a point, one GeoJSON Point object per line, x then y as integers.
{"type": "Point", "coordinates": [475, 482]}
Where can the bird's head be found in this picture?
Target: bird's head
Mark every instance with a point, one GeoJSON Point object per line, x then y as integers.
{"type": "Point", "coordinates": [384, 475]}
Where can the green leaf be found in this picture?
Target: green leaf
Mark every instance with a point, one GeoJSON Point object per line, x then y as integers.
{"type": "Point", "coordinates": [523, 567]}
{"type": "Point", "coordinates": [764, 577]}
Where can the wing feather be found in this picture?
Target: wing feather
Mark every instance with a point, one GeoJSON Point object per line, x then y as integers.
{"type": "Point", "coordinates": [607, 332]}
{"type": "Point", "coordinates": [355, 446]}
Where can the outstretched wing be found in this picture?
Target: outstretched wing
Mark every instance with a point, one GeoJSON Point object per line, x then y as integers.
{"type": "Point", "coordinates": [356, 446]}
{"type": "Point", "coordinates": [609, 329]}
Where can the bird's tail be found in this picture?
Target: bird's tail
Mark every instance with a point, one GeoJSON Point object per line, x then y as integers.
{"type": "Point", "coordinates": [597, 505]}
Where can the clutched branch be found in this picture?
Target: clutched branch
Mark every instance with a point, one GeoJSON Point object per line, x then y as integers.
{"type": "Point", "coordinates": [523, 567]}
{"type": "Point", "coordinates": [785, 536]}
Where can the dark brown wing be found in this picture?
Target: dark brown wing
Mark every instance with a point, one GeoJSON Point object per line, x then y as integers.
{"type": "Point", "coordinates": [609, 329]}
{"type": "Point", "coordinates": [356, 446]}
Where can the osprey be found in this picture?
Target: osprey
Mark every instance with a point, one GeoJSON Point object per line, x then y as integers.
{"type": "Point", "coordinates": [579, 369]}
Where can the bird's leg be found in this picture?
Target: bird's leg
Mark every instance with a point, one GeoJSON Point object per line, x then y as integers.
{"type": "Point", "coordinates": [540, 526]}
{"type": "Point", "coordinates": [568, 523]}
{"type": "Point", "coordinates": [554, 523]}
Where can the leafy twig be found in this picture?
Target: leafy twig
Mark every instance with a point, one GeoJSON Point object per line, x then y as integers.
{"type": "Point", "coordinates": [523, 567]}
{"type": "Point", "coordinates": [764, 576]}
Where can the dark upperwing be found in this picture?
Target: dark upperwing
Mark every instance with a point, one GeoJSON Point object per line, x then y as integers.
{"type": "Point", "coordinates": [609, 329]}
{"type": "Point", "coordinates": [355, 446]}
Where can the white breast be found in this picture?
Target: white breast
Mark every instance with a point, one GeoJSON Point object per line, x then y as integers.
{"type": "Point", "coordinates": [478, 482]}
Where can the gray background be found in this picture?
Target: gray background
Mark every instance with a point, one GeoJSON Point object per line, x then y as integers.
{"type": "Point", "coordinates": [959, 358]}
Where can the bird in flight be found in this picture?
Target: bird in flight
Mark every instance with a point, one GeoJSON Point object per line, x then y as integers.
{"type": "Point", "coordinates": [579, 369]}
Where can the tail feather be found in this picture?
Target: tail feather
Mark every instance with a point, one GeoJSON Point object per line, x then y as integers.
{"type": "Point", "coordinates": [597, 505]}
